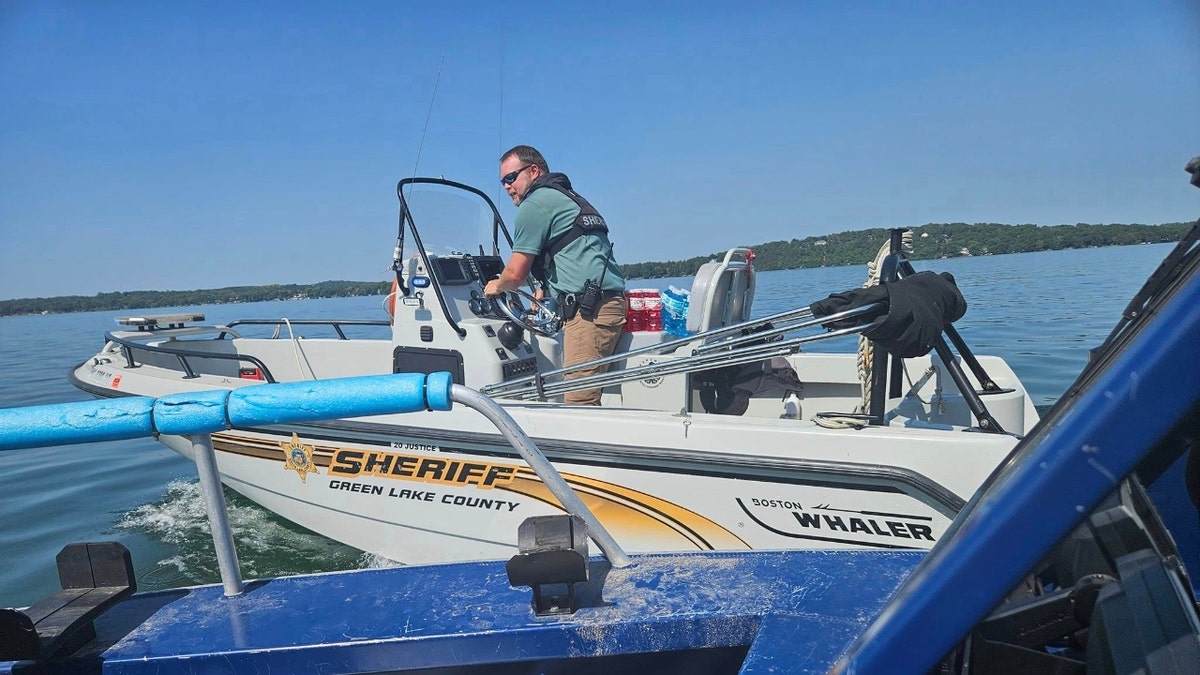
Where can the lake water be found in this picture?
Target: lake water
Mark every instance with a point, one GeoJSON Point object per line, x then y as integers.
{"type": "Point", "coordinates": [1041, 312]}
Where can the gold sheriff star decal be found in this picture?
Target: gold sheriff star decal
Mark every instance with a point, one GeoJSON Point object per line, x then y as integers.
{"type": "Point", "coordinates": [299, 457]}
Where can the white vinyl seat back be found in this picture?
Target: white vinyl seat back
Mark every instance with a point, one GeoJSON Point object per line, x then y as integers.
{"type": "Point", "coordinates": [722, 292]}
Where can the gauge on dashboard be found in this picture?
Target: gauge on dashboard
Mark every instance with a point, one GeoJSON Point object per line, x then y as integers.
{"type": "Point", "coordinates": [451, 271]}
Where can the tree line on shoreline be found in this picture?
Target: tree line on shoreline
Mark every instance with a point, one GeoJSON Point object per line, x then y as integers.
{"type": "Point", "coordinates": [216, 296]}
{"type": "Point", "coordinates": [932, 241]}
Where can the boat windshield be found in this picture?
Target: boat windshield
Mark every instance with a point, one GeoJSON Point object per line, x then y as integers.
{"type": "Point", "coordinates": [451, 220]}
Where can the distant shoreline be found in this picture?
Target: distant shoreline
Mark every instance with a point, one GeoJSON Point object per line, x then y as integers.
{"type": "Point", "coordinates": [931, 241]}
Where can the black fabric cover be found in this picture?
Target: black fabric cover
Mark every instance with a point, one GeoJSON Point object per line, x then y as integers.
{"type": "Point", "coordinates": [919, 308]}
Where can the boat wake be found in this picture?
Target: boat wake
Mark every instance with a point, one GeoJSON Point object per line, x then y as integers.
{"type": "Point", "coordinates": [267, 545]}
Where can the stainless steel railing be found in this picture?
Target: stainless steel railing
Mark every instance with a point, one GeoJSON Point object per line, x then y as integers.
{"type": "Point", "coordinates": [710, 349]}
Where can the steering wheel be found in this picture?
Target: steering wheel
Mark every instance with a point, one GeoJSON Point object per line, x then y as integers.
{"type": "Point", "coordinates": [540, 317]}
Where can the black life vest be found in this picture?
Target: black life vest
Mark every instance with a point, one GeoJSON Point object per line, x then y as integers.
{"type": "Point", "coordinates": [588, 221]}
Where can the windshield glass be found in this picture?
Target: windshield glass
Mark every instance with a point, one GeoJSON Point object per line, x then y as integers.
{"type": "Point", "coordinates": [450, 220]}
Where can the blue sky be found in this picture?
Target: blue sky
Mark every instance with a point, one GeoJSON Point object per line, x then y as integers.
{"type": "Point", "coordinates": [181, 145]}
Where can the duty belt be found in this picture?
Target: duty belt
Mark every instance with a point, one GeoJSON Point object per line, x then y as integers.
{"type": "Point", "coordinates": [568, 303]}
{"type": "Point", "coordinates": [572, 298]}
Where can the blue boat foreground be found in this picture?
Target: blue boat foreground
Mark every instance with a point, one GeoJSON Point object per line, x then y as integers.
{"type": "Point", "coordinates": [1060, 564]}
{"type": "Point", "coordinates": [760, 611]}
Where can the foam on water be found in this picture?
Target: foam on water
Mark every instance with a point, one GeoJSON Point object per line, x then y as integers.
{"type": "Point", "coordinates": [267, 546]}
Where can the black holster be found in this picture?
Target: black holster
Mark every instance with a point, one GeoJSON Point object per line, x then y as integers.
{"type": "Point", "coordinates": [568, 307]}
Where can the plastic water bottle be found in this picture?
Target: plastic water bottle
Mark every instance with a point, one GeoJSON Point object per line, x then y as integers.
{"type": "Point", "coordinates": [653, 317]}
{"type": "Point", "coordinates": [635, 314]}
{"type": "Point", "coordinates": [674, 310]}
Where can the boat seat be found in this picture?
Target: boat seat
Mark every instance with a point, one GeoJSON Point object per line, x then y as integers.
{"type": "Point", "coordinates": [94, 576]}
{"type": "Point", "coordinates": [722, 292]}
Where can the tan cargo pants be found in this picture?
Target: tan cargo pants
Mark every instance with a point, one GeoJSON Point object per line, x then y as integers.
{"type": "Point", "coordinates": [589, 339]}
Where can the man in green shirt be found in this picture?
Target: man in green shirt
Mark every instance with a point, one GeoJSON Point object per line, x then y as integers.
{"type": "Point", "coordinates": [563, 241]}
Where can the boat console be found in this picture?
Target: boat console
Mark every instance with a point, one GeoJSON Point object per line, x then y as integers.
{"type": "Point", "coordinates": [467, 335]}
{"type": "Point", "coordinates": [470, 335]}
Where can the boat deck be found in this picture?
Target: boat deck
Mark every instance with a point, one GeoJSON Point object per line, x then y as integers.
{"type": "Point", "coordinates": [799, 607]}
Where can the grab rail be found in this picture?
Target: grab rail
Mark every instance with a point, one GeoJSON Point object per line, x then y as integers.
{"type": "Point", "coordinates": [198, 414]}
{"type": "Point", "coordinates": [336, 324]}
{"type": "Point", "coordinates": [406, 216]}
{"type": "Point", "coordinates": [130, 346]}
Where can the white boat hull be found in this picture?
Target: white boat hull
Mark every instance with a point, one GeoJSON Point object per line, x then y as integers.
{"type": "Point", "coordinates": [453, 491]}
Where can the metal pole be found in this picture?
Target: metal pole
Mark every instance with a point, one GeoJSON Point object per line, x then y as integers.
{"type": "Point", "coordinates": [712, 355]}
{"type": "Point", "coordinates": [522, 383]}
{"type": "Point", "coordinates": [218, 516]}
{"type": "Point", "coordinates": [684, 364]}
{"type": "Point", "coordinates": [543, 468]}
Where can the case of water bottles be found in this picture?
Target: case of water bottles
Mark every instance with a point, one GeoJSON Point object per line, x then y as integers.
{"type": "Point", "coordinates": [644, 310]}
{"type": "Point", "coordinates": [674, 310]}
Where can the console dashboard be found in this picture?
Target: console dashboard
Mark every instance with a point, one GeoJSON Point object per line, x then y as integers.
{"type": "Point", "coordinates": [459, 270]}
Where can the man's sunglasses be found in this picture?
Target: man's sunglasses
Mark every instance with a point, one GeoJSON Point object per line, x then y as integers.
{"type": "Point", "coordinates": [511, 177]}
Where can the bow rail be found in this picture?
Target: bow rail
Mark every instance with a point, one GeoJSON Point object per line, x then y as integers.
{"type": "Point", "coordinates": [196, 415]}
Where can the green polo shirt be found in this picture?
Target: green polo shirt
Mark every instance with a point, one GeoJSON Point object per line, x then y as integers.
{"type": "Point", "coordinates": [544, 214]}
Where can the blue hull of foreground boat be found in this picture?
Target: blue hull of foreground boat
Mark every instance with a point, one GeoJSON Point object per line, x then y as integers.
{"type": "Point", "coordinates": [720, 612]}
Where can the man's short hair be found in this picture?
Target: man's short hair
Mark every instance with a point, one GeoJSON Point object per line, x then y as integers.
{"type": "Point", "coordinates": [527, 154]}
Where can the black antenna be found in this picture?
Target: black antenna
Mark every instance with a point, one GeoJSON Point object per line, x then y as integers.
{"type": "Point", "coordinates": [399, 251]}
{"type": "Point", "coordinates": [429, 114]}
{"type": "Point", "coordinates": [500, 128]}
